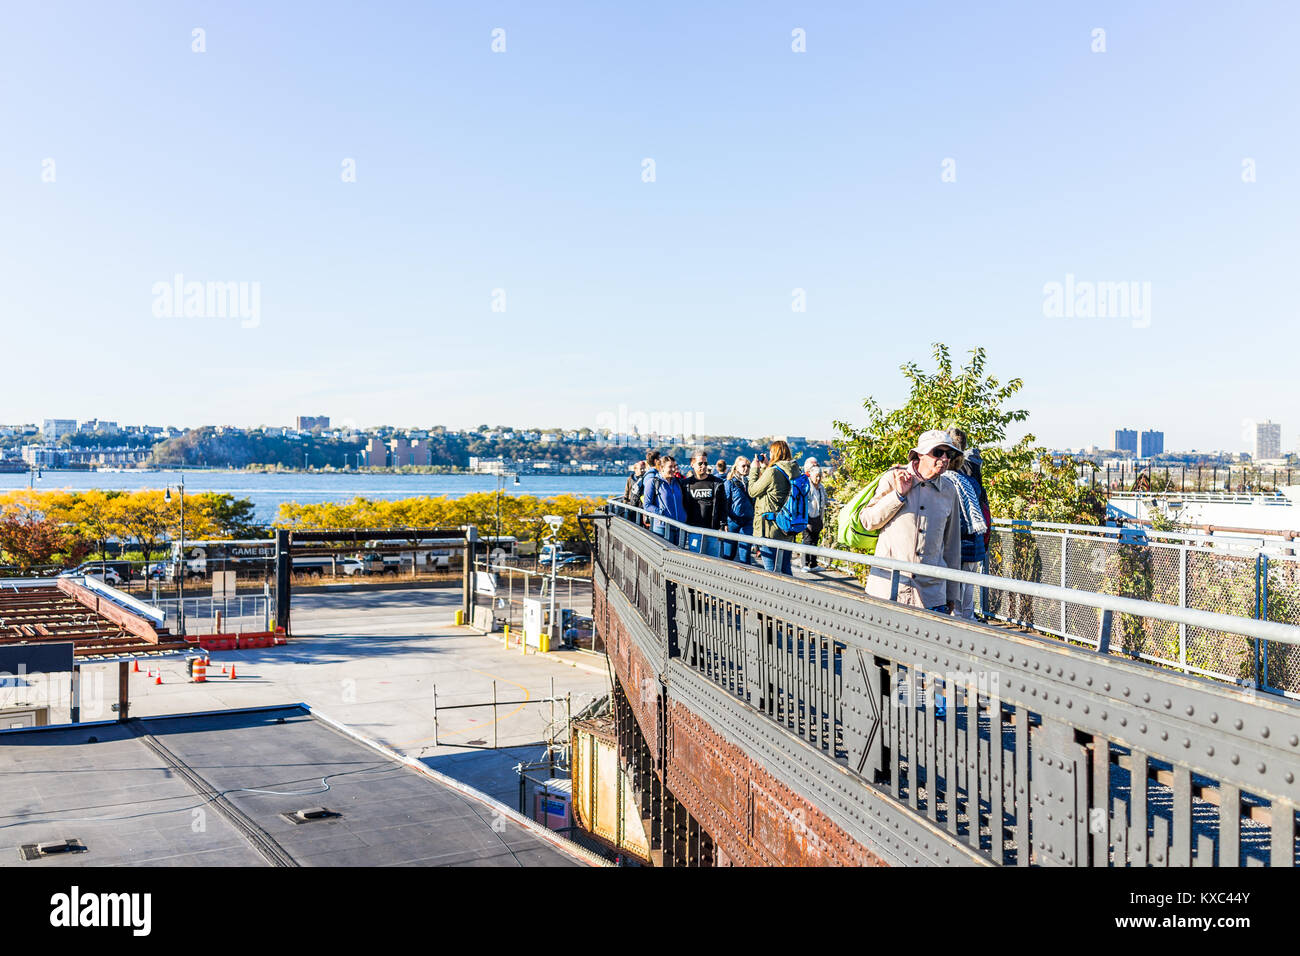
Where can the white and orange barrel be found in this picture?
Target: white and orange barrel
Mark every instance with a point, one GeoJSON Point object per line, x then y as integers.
{"type": "Point", "coordinates": [199, 671]}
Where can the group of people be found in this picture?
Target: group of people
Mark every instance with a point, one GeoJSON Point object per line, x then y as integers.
{"type": "Point", "coordinates": [749, 498]}
{"type": "Point", "coordinates": [933, 510]}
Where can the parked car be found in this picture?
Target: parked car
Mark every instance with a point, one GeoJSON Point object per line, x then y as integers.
{"type": "Point", "coordinates": [319, 566]}
{"type": "Point", "coordinates": [548, 553]}
{"type": "Point", "coordinates": [573, 561]}
{"type": "Point", "coordinates": [113, 573]}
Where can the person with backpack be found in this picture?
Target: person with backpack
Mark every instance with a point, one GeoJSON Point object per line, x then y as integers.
{"type": "Point", "coordinates": [663, 496]}
{"type": "Point", "coordinates": [740, 511]}
{"type": "Point", "coordinates": [703, 498]}
{"type": "Point", "coordinates": [918, 517]}
{"type": "Point", "coordinates": [649, 472]}
{"type": "Point", "coordinates": [780, 505]}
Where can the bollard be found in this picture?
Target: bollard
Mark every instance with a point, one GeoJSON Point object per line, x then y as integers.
{"type": "Point", "coordinates": [507, 635]}
{"type": "Point", "coordinates": [460, 617]}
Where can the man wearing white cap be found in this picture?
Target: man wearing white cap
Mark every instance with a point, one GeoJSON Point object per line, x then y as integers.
{"type": "Point", "coordinates": [919, 519]}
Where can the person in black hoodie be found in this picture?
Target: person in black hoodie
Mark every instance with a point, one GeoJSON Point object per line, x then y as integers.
{"type": "Point", "coordinates": [705, 501]}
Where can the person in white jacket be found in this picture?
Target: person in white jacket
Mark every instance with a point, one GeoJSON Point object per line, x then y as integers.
{"type": "Point", "coordinates": [816, 510]}
{"type": "Point", "coordinates": [918, 516]}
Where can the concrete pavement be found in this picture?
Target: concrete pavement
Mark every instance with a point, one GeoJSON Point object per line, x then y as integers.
{"type": "Point", "coordinates": [372, 660]}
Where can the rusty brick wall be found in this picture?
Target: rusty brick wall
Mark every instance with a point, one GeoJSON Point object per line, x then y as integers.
{"type": "Point", "coordinates": [753, 818]}
{"type": "Point", "coordinates": [639, 679]}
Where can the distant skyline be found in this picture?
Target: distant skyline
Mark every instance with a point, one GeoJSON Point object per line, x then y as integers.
{"type": "Point", "coordinates": [404, 215]}
{"type": "Point", "coordinates": [1249, 445]}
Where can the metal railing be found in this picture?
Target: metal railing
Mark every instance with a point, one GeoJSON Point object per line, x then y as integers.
{"type": "Point", "coordinates": [1249, 577]}
{"type": "Point", "coordinates": [915, 733]}
{"type": "Point", "coordinates": [1230, 575]}
{"type": "Point", "coordinates": [515, 585]}
{"type": "Point", "coordinates": [237, 614]}
{"type": "Point", "coordinates": [1108, 604]}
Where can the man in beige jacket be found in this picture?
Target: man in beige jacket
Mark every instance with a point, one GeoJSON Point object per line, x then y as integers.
{"type": "Point", "coordinates": [918, 516]}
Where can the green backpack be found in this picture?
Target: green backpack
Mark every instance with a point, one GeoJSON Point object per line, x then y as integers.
{"type": "Point", "coordinates": [850, 535]}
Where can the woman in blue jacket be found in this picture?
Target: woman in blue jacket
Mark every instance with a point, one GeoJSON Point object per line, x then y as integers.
{"type": "Point", "coordinates": [663, 496]}
{"type": "Point", "coordinates": [740, 511]}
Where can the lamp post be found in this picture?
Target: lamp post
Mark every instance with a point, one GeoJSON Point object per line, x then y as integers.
{"type": "Point", "coordinates": [33, 475]}
{"type": "Point", "coordinates": [501, 487]}
{"type": "Point", "coordinates": [180, 566]}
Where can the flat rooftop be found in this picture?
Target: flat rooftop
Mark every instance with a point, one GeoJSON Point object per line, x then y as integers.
{"type": "Point", "coordinates": [214, 790]}
{"type": "Point", "coordinates": [64, 610]}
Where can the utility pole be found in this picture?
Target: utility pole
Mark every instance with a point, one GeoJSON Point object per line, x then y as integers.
{"type": "Point", "coordinates": [180, 565]}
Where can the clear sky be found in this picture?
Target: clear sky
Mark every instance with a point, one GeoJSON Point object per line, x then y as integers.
{"type": "Point", "coordinates": [523, 171]}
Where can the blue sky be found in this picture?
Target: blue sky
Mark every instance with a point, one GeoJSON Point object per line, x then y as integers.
{"type": "Point", "coordinates": [774, 171]}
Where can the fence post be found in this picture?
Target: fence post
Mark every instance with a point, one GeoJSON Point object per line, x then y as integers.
{"type": "Point", "coordinates": [984, 592]}
{"type": "Point", "coordinates": [1065, 541]}
{"type": "Point", "coordinates": [1103, 639]}
{"type": "Point", "coordinates": [1182, 602]}
{"type": "Point", "coordinates": [1263, 616]}
{"type": "Point", "coordinates": [1258, 561]}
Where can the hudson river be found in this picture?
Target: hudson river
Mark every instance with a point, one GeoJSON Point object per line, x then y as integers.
{"type": "Point", "coordinates": [267, 491]}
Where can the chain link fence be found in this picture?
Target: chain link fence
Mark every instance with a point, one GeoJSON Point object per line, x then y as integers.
{"type": "Point", "coordinates": [1201, 574]}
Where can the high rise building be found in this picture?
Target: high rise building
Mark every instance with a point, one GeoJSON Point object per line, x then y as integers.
{"type": "Point", "coordinates": [421, 452]}
{"type": "Point", "coordinates": [376, 453]}
{"type": "Point", "coordinates": [401, 448]}
{"type": "Point", "coordinates": [56, 428]}
{"type": "Point", "coordinates": [1268, 441]}
{"type": "Point", "coordinates": [1126, 439]}
{"type": "Point", "coordinates": [1153, 443]}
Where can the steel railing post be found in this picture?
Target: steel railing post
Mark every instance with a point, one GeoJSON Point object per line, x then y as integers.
{"type": "Point", "coordinates": [1103, 638]}
{"type": "Point", "coordinates": [1182, 602]}
{"type": "Point", "coordinates": [1065, 542]}
{"type": "Point", "coordinates": [1257, 642]}
{"type": "Point", "coordinates": [1263, 616]}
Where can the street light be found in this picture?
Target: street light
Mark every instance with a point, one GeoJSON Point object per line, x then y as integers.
{"type": "Point", "coordinates": [180, 566]}
{"type": "Point", "coordinates": [554, 522]}
{"type": "Point", "coordinates": [33, 475]}
{"type": "Point", "coordinates": [501, 487]}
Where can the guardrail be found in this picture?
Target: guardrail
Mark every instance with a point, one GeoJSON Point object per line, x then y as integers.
{"type": "Point", "coordinates": [1182, 571]}
{"type": "Point", "coordinates": [1221, 537]}
{"type": "Point", "coordinates": [209, 615]}
{"type": "Point", "coordinates": [931, 739]}
{"type": "Point", "coordinates": [1203, 572]}
{"type": "Point", "coordinates": [1114, 604]}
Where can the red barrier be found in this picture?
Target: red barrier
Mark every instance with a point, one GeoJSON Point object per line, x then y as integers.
{"type": "Point", "coordinates": [239, 642]}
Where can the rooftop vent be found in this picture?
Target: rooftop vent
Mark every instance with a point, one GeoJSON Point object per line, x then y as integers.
{"type": "Point", "coordinates": [310, 815]}
{"type": "Point", "coordinates": [36, 851]}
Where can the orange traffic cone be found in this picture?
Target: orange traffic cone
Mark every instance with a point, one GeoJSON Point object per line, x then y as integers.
{"type": "Point", "coordinates": [158, 679]}
{"type": "Point", "coordinates": [135, 668]}
{"type": "Point", "coordinates": [232, 671]}
{"type": "Point", "coordinates": [224, 669]}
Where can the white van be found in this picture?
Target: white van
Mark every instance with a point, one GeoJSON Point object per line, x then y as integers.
{"type": "Point", "coordinates": [322, 565]}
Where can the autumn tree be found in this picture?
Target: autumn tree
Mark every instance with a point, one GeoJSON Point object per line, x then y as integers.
{"type": "Point", "coordinates": [966, 397]}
